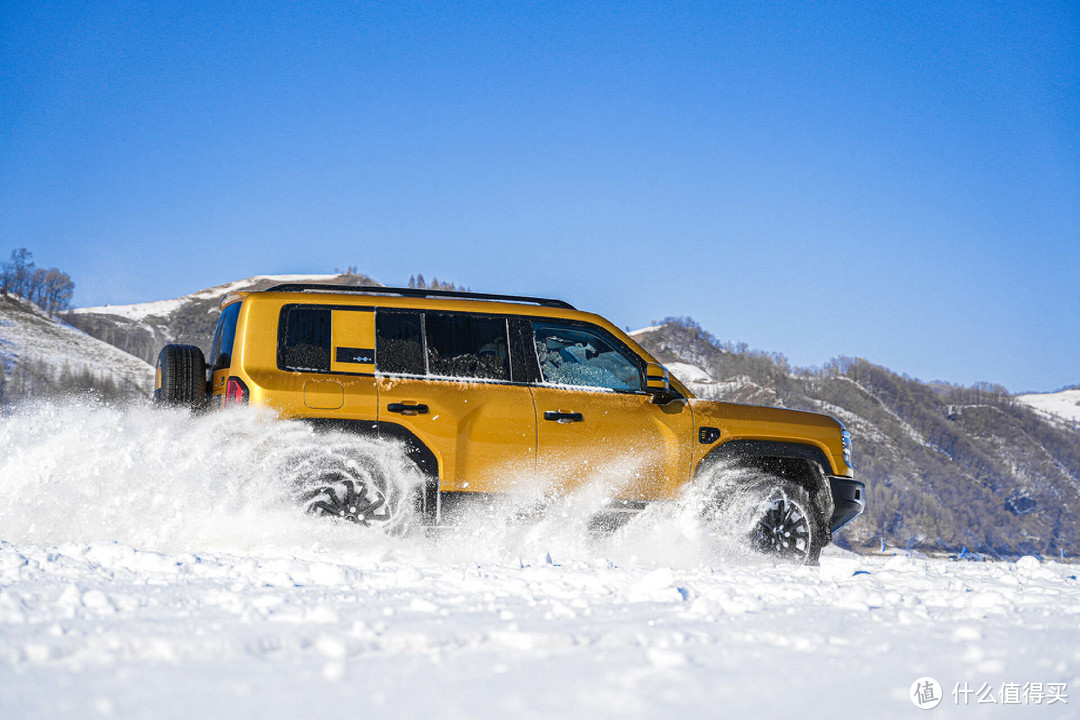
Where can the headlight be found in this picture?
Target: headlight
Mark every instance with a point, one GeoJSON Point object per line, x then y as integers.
{"type": "Point", "coordinates": [847, 448]}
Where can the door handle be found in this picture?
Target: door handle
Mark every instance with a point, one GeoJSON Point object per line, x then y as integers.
{"type": "Point", "coordinates": [407, 409]}
{"type": "Point", "coordinates": [563, 417]}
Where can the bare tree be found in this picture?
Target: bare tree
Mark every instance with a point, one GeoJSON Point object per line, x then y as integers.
{"type": "Point", "coordinates": [22, 267]}
{"type": "Point", "coordinates": [51, 290]}
{"type": "Point", "coordinates": [35, 284]}
{"type": "Point", "coordinates": [57, 291]}
{"type": "Point", "coordinates": [16, 272]}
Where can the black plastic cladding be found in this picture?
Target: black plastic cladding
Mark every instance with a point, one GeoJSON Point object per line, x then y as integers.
{"type": "Point", "coordinates": [768, 448]}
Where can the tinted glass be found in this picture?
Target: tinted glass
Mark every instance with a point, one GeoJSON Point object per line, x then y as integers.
{"type": "Point", "coordinates": [571, 355]}
{"type": "Point", "coordinates": [398, 343]}
{"type": "Point", "coordinates": [221, 352]}
{"type": "Point", "coordinates": [305, 339]}
{"type": "Point", "coordinates": [467, 346]}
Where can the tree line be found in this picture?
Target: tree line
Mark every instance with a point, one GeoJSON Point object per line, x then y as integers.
{"type": "Point", "coordinates": [418, 282]}
{"type": "Point", "coordinates": [50, 289]}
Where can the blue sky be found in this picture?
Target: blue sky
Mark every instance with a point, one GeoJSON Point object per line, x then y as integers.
{"type": "Point", "coordinates": [896, 181]}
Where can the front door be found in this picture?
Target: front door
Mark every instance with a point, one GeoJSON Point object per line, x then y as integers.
{"type": "Point", "coordinates": [596, 423]}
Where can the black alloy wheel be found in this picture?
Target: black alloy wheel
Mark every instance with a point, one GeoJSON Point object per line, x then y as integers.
{"type": "Point", "coordinates": [784, 528]}
{"type": "Point", "coordinates": [349, 499]}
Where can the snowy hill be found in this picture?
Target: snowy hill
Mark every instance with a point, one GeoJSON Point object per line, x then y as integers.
{"type": "Point", "coordinates": [142, 329]}
{"type": "Point", "coordinates": [42, 356]}
{"type": "Point", "coordinates": [1062, 407]}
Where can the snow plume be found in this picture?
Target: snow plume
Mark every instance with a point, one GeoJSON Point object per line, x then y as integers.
{"type": "Point", "coordinates": [167, 480]}
{"type": "Point", "coordinates": [532, 526]}
{"type": "Point", "coordinates": [529, 524]}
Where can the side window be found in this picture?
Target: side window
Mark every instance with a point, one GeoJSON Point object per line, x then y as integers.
{"type": "Point", "coordinates": [304, 339]}
{"type": "Point", "coordinates": [467, 346]}
{"type": "Point", "coordinates": [399, 346]}
{"type": "Point", "coordinates": [221, 351]}
{"type": "Point", "coordinates": [576, 356]}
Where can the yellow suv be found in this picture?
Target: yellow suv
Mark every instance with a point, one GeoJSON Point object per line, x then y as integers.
{"type": "Point", "coordinates": [489, 392]}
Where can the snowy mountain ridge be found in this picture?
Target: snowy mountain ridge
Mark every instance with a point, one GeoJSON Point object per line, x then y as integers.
{"type": "Point", "coordinates": [164, 308]}
{"type": "Point", "coordinates": [932, 454]}
{"type": "Point", "coordinates": [43, 356]}
{"type": "Point", "coordinates": [1061, 407]}
{"type": "Point", "coordinates": [143, 328]}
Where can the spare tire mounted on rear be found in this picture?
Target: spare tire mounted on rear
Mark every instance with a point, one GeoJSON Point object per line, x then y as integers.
{"type": "Point", "coordinates": [181, 376]}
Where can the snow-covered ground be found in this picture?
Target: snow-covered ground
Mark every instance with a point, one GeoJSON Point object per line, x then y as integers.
{"type": "Point", "coordinates": [152, 565]}
{"type": "Point", "coordinates": [1064, 405]}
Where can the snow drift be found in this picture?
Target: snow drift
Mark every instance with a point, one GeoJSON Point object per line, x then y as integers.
{"type": "Point", "coordinates": [155, 564]}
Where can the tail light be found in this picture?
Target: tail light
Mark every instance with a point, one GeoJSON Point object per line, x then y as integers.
{"type": "Point", "coordinates": [236, 392]}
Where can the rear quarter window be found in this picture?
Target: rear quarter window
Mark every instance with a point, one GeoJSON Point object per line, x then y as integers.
{"type": "Point", "coordinates": [304, 339]}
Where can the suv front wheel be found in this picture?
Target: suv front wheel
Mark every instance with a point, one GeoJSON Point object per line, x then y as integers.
{"type": "Point", "coordinates": [764, 513]}
{"type": "Point", "coordinates": [784, 524]}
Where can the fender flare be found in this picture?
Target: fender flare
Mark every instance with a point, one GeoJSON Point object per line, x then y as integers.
{"type": "Point", "coordinates": [736, 449]}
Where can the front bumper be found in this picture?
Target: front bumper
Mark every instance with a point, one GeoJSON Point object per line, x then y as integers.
{"type": "Point", "coordinates": [849, 500]}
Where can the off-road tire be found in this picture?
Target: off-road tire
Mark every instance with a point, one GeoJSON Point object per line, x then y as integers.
{"type": "Point", "coordinates": [785, 524]}
{"type": "Point", "coordinates": [181, 381]}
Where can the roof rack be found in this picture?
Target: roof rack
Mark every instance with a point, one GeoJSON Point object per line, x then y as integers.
{"type": "Point", "coordinates": [418, 292]}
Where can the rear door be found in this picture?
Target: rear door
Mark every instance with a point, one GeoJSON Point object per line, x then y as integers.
{"type": "Point", "coordinates": [596, 424]}
{"type": "Point", "coordinates": [448, 379]}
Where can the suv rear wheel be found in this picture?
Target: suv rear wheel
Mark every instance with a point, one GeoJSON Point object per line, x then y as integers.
{"type": "Point", "coordinates": [367, 487]}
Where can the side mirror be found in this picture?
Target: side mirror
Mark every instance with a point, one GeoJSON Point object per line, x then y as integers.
{"type": "Point", "coordinates": [658, 383]}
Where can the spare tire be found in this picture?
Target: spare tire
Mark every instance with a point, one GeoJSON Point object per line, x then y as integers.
{"type": "Point", "coordinates": [181, 376]}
